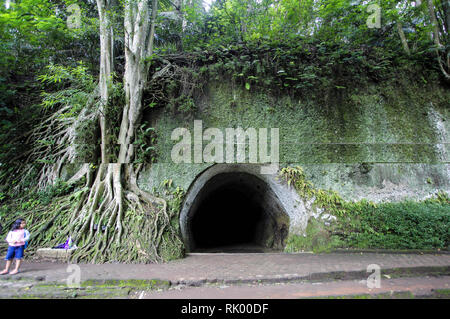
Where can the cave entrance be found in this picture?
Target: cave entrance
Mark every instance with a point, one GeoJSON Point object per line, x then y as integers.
{"type": "Point", "coordinates": [236, 212]}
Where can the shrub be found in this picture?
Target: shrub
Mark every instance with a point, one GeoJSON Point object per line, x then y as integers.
{"type": "Point", "coordinates": [402, 225]}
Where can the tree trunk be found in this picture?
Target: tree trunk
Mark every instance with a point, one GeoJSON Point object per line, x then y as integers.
{"type": "Point", "coordinates": [434, 22]}
{"type": "Point", "coordinates": [444, 66]}
{"type": "Point", "coordinates": [403, 38]}
{"type": "Point", "coordinates": [139, 36]}
{"type": "Point", "coordinates": [98, 223]}
{"type": "Point", "coordinates": [181, 23]}
{"type": "Point", "coordinates": [110, 218]}
{"type": "Point", "coordinates": [106, 68]}
{"type": "Point", "coordinates": [446, 7]}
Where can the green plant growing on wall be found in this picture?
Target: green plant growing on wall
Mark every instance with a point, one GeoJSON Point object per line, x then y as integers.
{"type": "Point", "coordinates": [364, 224]}
{"type": "Point", "coordinates": [146, 139]}
{"type": "Point", "coordinates": [317, 239]}
{"type": "Point", "coordinates": [327, 199]}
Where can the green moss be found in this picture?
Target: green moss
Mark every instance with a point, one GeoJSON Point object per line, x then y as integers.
{"type": "Point", "coordinates": [442, 292]}
{"type": "Point", "coordinates": [171, 250]}
{"type": "Point", "coordinates": [130, 283]}
{"type": "Point", "coordinates": [317, 239]}
{"type": "Point", "coordinates": [417, 271]}
{"type": "Point", "coordinates": [89, 289]}
{"type": "Point", "coordinates": [364, 135]}
{"type": "Point", "coordinates": [366, 123]}
{"type": "Point", "coordinates": [363, 224]}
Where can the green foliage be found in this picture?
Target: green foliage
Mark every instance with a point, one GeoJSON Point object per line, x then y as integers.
{"type": "Point", "coordinates": [305, 68]}
{"type": "Point", "coordinates": [34, 34]}
{"type": "Point", "coordinates": [145, 141]}
{"type": "Point", "coordinates": [113, 109]}
{"type": "Point", "coordinates": [318, 239]}
{"type": "Point", "coordinates": [57, 189]}
{"type": "Point", "coordinates": [327, 199]}
{"type": "Point", "coordinates": [363, 224]}
{"type": "Point", "coordinates": [78, 76]}
{"type": "Point", "coordinates": [404, 225]}
{"type": "Point", "coordinates": [333, 34]}
{"type": "Point", "coordinates": [69, 86]}
{"type": "Point", "coordinates": [45, 196]}
{"type": "Point", "coordinates": [172, 246]}
{"type": "Point", "coordinates": [330, 21]}
{"type": "Point", "coordinates": [183, 103]}
{"type": "Point", "coordinates": [70, 89]}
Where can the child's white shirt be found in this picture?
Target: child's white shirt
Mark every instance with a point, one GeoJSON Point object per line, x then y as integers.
{"type": "Point", "coordinates": [20, 236]}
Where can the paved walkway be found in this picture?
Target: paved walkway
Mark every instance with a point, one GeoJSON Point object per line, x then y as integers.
{"type": "Point", "coordinates": [197, 269]}
{"type": "Point", "coordinates": [415, 286]}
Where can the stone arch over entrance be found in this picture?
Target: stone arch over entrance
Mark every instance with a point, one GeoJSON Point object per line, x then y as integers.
{"type": "Point", "coordinates": [234, 205]}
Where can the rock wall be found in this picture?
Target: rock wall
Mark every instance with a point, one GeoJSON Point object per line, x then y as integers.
{"type": "Point", "coordinates": [380, 143]}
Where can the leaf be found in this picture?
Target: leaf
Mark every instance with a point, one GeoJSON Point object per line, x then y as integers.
{"type": "Point", "coordinates": [247, 86]}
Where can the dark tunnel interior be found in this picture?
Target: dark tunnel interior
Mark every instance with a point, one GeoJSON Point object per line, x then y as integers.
{"type": "Point", "coordinates": [227, 217]}
{"type": "Point", "coordinates": [236, 212]}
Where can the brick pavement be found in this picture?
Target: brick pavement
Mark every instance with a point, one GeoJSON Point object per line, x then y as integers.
{"type": "Point", "coordinates": [199, 268]}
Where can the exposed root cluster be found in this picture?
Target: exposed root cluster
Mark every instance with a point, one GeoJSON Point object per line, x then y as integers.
{"type": "Point", "coordinates": [109, 217]}
{"type": "Point", "coordinates": [175, 79]}
{"type": "Point", "coordinates": [116, 223]}
{"type": "Point", "coordinates": [109, 222]}
{"type": "Point", "coordinates": [54, 143]}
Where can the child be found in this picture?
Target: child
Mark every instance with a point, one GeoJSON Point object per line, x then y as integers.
{"type": "Point", "coordinates": [16, 239]}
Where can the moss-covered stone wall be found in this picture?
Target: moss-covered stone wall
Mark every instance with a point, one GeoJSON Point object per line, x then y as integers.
{"type": "Point", "coordinates": [381, 142]}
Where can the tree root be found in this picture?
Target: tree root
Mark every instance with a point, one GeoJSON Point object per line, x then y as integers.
{"type": "Point", "coordinates": [54, 143]}
{"type": "Point", "coordinates": [108, 219]}
{"type": "Point", "coordinates": [121, 224]}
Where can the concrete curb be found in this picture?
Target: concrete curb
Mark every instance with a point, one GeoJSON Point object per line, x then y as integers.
{"type": "Point", "coordinates": [325, 276]}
